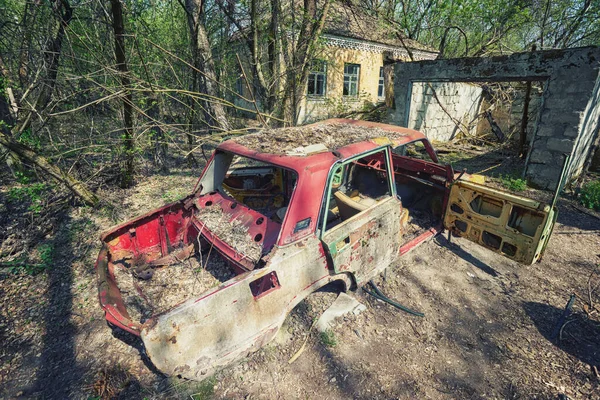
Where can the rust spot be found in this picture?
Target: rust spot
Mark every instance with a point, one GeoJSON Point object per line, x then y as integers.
{"type": "Point", "coordinates": [151, 323]}
{"type": "Point", "coordinates": [173, 339]}
{"type": "Point", "coordinates": [182, 368]}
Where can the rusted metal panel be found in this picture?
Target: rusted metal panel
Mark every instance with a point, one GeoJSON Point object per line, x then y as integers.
{"type": "Point", "coordinates": [211, 331]}
{"type": "Point", "coordinates": [368, 242]}
{"type": "Point", "coordinates": [514, 226]}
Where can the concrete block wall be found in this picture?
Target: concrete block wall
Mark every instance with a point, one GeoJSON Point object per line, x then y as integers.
{"type": "Point", "coordinates": [569, 111]}
{"type": "Point", "coordinates": [516, 109]}
{"type": "Point", "coordinates": [458, 101]}
{"type": "Point", "coordinates": [568, 124]}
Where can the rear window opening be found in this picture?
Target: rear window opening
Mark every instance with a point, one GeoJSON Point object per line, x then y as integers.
{"type": "Point", "coordinates": [263, 187]}
{"type": "Point", "coordinates": [242, 205]}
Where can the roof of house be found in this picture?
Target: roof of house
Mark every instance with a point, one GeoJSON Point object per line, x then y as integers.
{"type": "Point", "coordinates": [348, 20]}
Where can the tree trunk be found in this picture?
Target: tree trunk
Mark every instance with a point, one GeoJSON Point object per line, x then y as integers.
{"type": "Point", "coordinates": [191, 119]}
{"type": "Point", "coordinates": [27, 154]}
{"type": "Point", "coordinates": [158, 134]}
{"type": "Point", "coordinates": [52, 54]}
{"type": "Point", "coordinates": [9, 113]}
{"type": "Point", "coordinates": [274, 51]}
{"type": "Point", "coordinates": [214, 112]}
{"type": "Point", "coordinates": [388, 82]}
{"type": "Point", "coordinates": [312, 26]}
{"type": "Point", "coordinates": [127, 171]}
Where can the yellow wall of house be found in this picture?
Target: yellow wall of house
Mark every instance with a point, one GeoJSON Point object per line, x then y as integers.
{"type": "Point", "coordinates": [334, 103]}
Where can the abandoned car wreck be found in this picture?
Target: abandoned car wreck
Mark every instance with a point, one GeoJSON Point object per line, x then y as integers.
{"type": "Point", "coordinates": [278, 214]}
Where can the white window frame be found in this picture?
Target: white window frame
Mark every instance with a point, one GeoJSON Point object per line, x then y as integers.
{"type": "Point", "coordinates": [351, 80]}
{"type": "Point", "coordinates": [318, 68]}
{"type": "Point", "coordinates": [381, 86]}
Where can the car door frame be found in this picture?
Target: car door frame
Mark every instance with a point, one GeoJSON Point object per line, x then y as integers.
{"type": "Point", "coordinates": [368, 242]}
{"type": "Point", "coordinates": [506, 226]}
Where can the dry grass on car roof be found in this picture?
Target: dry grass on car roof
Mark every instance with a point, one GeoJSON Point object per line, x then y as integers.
{"type": "Point", "coordinates": [332, 135]}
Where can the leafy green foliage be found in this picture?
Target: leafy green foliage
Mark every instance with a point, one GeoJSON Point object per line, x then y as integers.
{"type": "Point", "coordinates": [590, 195]}
{"type": "Point", "coordinates": [30, 140]}
{"type": "Point", "coordinates": [24, 266]}
{"type": "Point", "coordinates": [23, 176]}
{"type": "Point", "coordinates": [328, 338]}
{"type": "Point", "coordinates": [2, 87]}
{"type": "Point", "coordinates": [483, 27]}
{"type": "Point", "coordinates": [512, 183]}
{"type": "Point", "coordinates": [32, 193]}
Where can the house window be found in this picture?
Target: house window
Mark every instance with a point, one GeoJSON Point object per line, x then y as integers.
{"type": "Point", "coordinates": [317, 78]}
{"type": "Point", "coordinates": [381, 87]}
{"type": "Point", "coordinates": [351, 74]}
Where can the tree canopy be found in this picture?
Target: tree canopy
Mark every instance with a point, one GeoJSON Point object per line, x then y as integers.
{"type": "Point", "coordinates": [118, 81]}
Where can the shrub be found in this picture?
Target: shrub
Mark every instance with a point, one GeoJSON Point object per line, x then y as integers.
{"type": "Point", "coordinates": [514, 184]}
{"type": "Point", "coordinates": [590, 195]}
{"type": "Point", "coordinates": [328, 338]}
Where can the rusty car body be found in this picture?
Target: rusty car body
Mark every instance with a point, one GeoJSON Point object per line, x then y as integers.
{"type": "Point", "coordinates": [328, 202]}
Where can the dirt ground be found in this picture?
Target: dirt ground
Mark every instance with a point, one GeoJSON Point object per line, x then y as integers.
{"type": "Point", "coordinates": [487, 330]}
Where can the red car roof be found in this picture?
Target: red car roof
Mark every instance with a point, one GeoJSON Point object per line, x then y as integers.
{"type": "Point", "coordinates": [271, 146]}
{"type": "Point", "coordinates": [345, 137]}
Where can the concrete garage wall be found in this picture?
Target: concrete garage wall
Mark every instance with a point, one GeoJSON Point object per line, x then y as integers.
{"type": "Point", "coordinates": [589, 123]}
{"type": "Point", "coordinates": [460, 102]}
{"type": "Point", "coordinates": [568, 118]}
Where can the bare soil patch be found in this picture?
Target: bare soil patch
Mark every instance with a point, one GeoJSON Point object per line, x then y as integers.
{"type": "Point", "coordinates": [487, 330]}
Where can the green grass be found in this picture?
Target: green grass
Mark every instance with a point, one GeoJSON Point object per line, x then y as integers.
{"type": "Point", "coordinates": [512, 183]}
{"type": "Point", "coordinates": [171, 196]}
{"type": "Point", "coordinates": [205, 389]}
{"type": "Point", "coordinates": [590, 195]}
{"type": "Point", "coordinates": [25, 266]}
{"type": "Point", "coordinates": [328, 338]}
{"type": "Point", "coordinates": [32, 193]}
